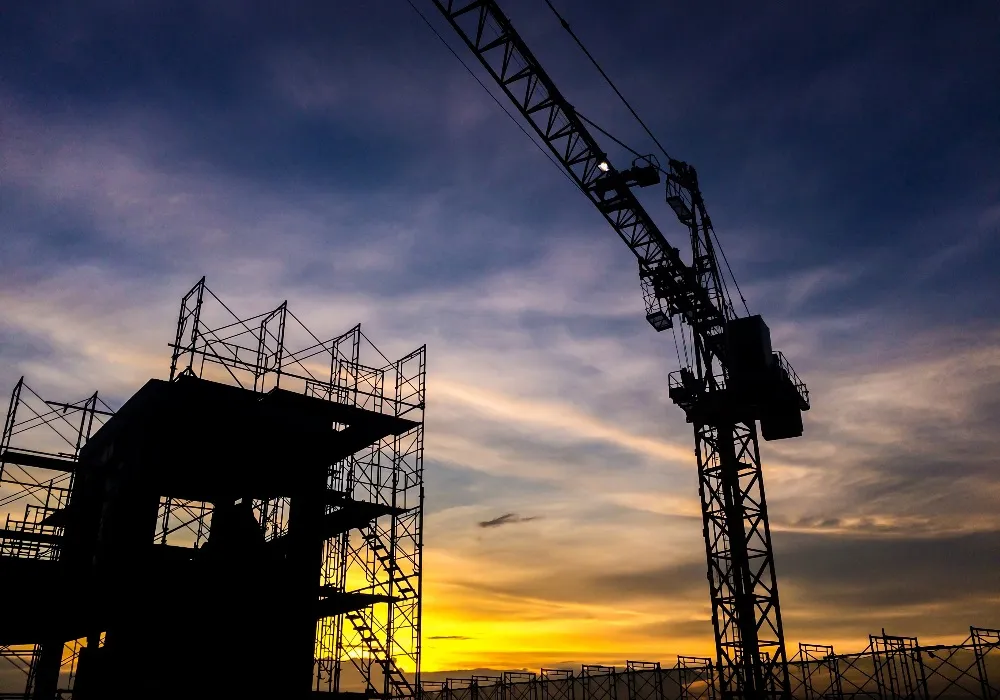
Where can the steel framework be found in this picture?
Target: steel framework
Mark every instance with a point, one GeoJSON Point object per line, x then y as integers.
{"type": "Point", "coordinates": [985, 641]}
{"type": "Point", "coordinates": [899, 670]}
{"type": "Point", "coordinates": [644, 680]}
{"type": "Point", "coordinates": [382, 557]}
{"type": "Point", "coordinates": [820, 672]}
{"type": "Point", "coordinates": [695, 678]}
{"type": "Point", "coordinates": [557, 684]}
{"type": "Point", "coordinates": [39, 450]}
{"type": "Point", "coordinates": [600, 682]}
{"type": "Point", "coordinates": [489, 687]}
{"type": "Point", "coordinates": [520, 685]}
{"type": "Point", "coordinates": [742, 583]}
{"type": "Point", "coordinates": [889, 668]}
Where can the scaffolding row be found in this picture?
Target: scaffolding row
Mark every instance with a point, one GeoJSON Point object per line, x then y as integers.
{"type": "Point", "coordinates": [889, 668]}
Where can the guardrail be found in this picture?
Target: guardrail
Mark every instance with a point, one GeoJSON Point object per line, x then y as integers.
{"type": "Point", "coordinates": [800, 386]}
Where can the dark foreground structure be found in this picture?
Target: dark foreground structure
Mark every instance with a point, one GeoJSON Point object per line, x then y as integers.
{"type": "Point", "coordinates": [249, 528]}
{"type": "Point", "coordinates": [889, 668]}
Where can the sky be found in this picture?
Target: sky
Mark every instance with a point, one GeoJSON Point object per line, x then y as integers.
{"type": "Point", "coordinates": [337, 156]}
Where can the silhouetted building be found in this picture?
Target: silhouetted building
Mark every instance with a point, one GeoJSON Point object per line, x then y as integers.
{"type": "Point", "coordinates": [232, 539]}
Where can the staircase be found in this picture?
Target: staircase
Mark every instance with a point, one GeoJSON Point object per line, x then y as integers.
{"type": "Point", "coordinates": [399, 685]}
{"type": "Point", "coordinates": [404, 589]}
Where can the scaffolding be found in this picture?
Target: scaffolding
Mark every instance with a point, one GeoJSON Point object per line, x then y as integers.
{"type": "Point", "coordinates": [695, 678]}
{"type": "Point", "coordinates": [889, 668]}
{"type": "Point", "coordinates": [645, 682]}
{"type": "Point", "coordinates": [556, 684]}
{"type": "Point", "coordinates": [378, 489]}
{"type": "Point", "coordinates": [39, 451]}
{"type": "Point", "coordinates": [272, 487]}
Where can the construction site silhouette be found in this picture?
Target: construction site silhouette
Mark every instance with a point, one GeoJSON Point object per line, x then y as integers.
{"type": "Point", "coordinates": [254, 521]}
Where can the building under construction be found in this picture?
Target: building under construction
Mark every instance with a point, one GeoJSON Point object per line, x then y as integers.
{"type": "Point", "coordinates": [250, 527]}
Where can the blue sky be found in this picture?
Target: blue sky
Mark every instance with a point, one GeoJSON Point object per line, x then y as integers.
{"type": "Point", "coordinates": [338, 157]}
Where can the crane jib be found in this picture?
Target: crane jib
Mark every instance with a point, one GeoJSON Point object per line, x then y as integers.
{"type": "Point", "coordinates": [489, 35]}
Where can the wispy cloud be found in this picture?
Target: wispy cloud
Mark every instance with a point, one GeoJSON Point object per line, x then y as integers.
{"type": "Point", "coordinates": [506, 519]}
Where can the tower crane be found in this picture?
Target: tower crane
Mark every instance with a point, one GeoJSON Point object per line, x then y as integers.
{"type": "Point", "coordinates": [732, 381]}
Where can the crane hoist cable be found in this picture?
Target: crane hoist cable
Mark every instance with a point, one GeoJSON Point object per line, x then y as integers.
{"type": "Point", "coordinates": [719, 247]}
{"type": "Point", "coordinates": [617, 140]}
{"type": "Point", "coordinates": [607, 79]}
{"type": "Point", "coordinates": [601, 129]}
{"type": "Point", "coordinates": [547, 155]}
{"type": "Point", "coordinates": [490, 93]}
{"type": "Point", "coordinates": [628, 105]}
{"type": "Point", "coordinates": [715, 237]}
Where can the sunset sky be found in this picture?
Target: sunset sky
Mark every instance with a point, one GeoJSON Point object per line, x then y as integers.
{"type": "Point", "coordinates": [337, 156]}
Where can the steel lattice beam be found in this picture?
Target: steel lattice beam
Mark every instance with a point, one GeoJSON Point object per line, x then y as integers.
{"type": "Point", "coordinates": [488, 33]}
{"type": "Point", "coordinates": [744, 592]}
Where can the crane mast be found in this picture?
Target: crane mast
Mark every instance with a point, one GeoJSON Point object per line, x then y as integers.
{"type": "Point", "coordinates": [733, 381]}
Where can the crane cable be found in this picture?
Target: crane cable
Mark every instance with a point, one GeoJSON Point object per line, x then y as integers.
{"type": "Point", "coordinates": [618, 141]}
{"type": "Point", "coordinates": [718, 245]}
{"type": "Point", "coordinates": [590, 122]}
{"type": "Point", "coordinates": [520, 126]}
{"type": "Point", "coordinates": [610, 82]}
{"type": "Point", "coordinates": [686, 360]}
{"type": "Point", "coordinates": [607, 79]}
{"type": "Point", "coordinates": [547, 155]}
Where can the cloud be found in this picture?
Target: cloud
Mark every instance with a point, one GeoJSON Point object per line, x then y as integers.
{"type": "Point", "coordinates": [456, 637]}
{"type": "Point", "coordinates": [506, 519]}
{"type": "Point", "coordinates": [298, 154]}
{"type": "Point", "coordinates": [562, 420]}
{"type": "Point", "coordinates": [882, 574]}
